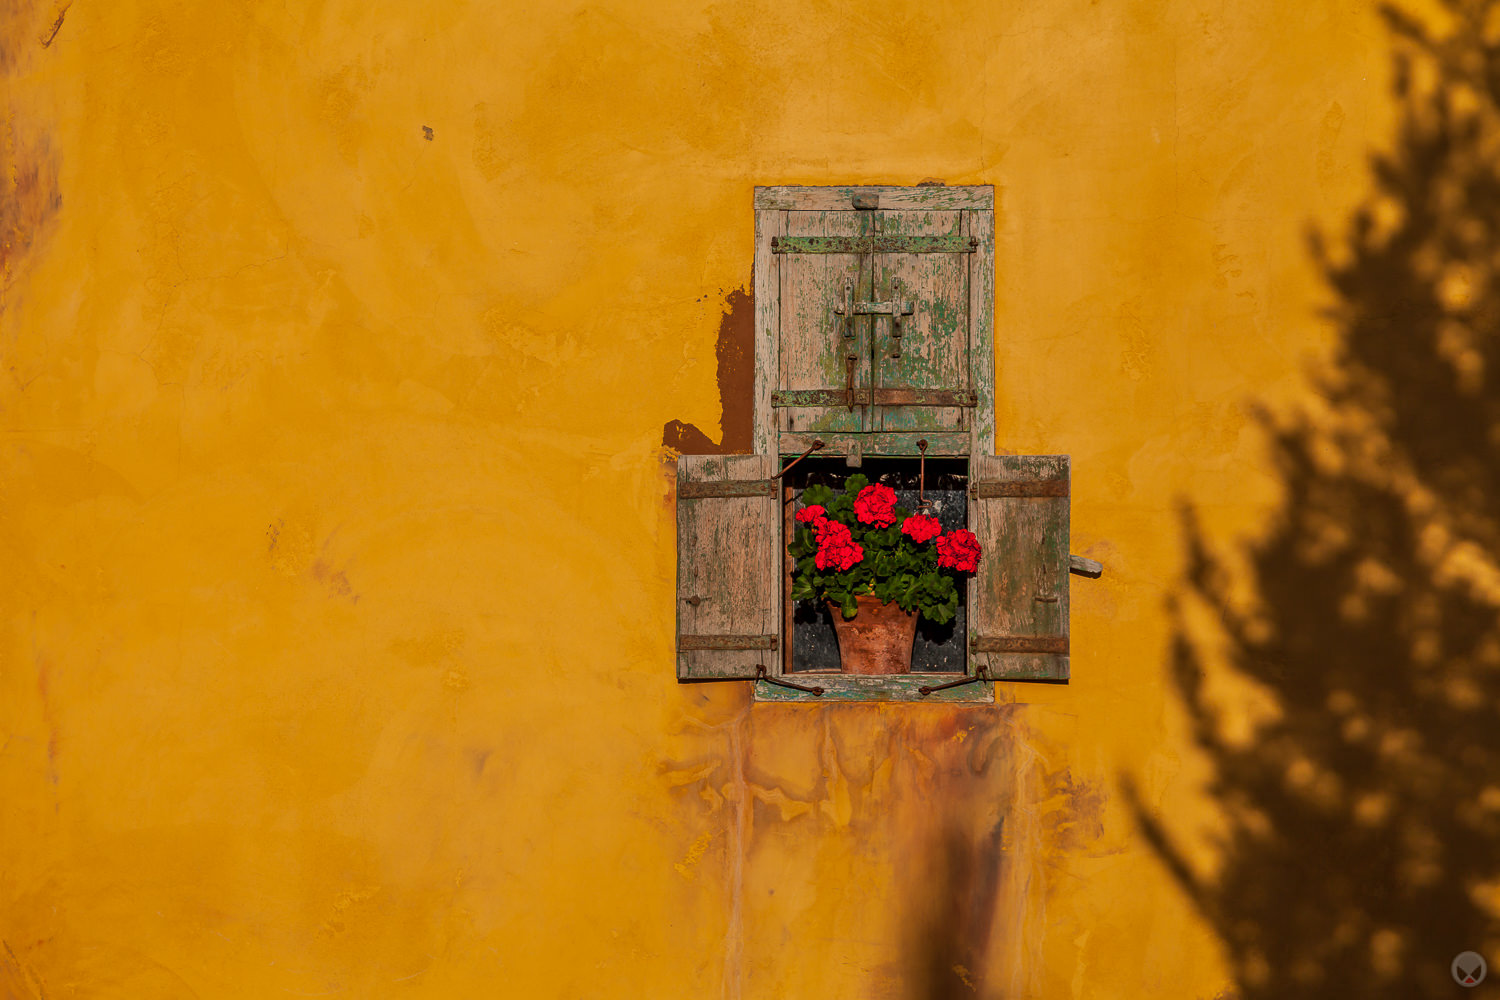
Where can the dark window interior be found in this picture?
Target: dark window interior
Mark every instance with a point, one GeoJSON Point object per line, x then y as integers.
{"type": "Point", "coordinates": [939, 648]}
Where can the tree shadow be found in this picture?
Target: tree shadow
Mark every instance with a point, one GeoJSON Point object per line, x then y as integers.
{"type": "Point", "coordinates": [1361, 843]}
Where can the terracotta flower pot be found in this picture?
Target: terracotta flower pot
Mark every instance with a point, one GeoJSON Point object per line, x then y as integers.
{"type": "Point", "coordinates": [877, 640]}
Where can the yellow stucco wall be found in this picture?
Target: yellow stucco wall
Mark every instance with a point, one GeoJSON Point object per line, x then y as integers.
{"type": "Point", "coordinates": [336, 529]}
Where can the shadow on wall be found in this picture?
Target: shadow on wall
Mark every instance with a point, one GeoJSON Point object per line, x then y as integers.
{"type": "Point", "coordinates": [1362, 843]}
{"type": "Point", "coordinates": [949, 950]}
{"type": "Point", "coordinates": [736, 356]}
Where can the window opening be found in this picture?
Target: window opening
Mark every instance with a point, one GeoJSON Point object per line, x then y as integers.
{"type": "Point", "coordinates": [813, 646]}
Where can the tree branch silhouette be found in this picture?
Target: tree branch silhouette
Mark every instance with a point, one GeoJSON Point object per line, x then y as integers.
{"type": "Point", "coordinates": [1363, 816]}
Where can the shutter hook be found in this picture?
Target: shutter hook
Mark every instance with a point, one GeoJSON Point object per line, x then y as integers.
{"type": "Point", "coordinates": [922, 502]}
{"type": "Point", "coordinates": [982, 674]}
{"type": "Point", "coordinates": [817, 444]}
{"type": "Point", "coordinates": [760, 671]}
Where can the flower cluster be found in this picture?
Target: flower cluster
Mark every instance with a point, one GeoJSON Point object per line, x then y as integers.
{"type": "Point", "coordinates": [850, 543]}
{"type": "Point", "coordinates": [876, 504]}
{"type": "Point", "coordinates": [959, 550]}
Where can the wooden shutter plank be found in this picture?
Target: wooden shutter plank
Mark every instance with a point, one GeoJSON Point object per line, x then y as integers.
{"type": "Point", "coordinates": [1018, 601]}
{"type": "Point", "coordinates": [981, 265]}
{"type": "Point", "coordinates": [812, 347]}
{"type": "Point", "coordinates": [934, 345]}
{"type": "Point", "coordinates": [727, 585]}
{"type": "Point", "coordinates": [767, 277]}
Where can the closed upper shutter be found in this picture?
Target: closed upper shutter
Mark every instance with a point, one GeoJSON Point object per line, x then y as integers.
{"type": "Point", "coordinates": [882, 313]}
{"type": "Point", "coordinates": [1018, 600]}
{"type": "Point", "coordinates": [728, 587]}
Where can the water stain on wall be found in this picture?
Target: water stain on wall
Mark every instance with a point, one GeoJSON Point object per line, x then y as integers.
{"type": "Point", "coordinates": [31, 196]}
{"type": "Point", "coordinates": [944, 819]}
{"type": "Point", "coordinates": [736, 376]}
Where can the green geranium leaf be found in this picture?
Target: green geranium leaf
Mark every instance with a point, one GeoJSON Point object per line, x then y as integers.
{"type": "Point", "coordinates": [816, 494]}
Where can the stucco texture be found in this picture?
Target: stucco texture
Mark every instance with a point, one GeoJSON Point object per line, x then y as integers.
{"type": "Point", "coordinates": [336, 511]}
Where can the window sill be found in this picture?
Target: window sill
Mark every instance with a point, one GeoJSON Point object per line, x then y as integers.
{"type": "Point", "coordinates": [855, 687]}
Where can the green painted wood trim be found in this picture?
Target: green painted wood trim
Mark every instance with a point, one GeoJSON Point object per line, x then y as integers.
{"type": "Point", "coordinates": [882, 397]}
{"type": "Point", "coordinates": [873, 244]}
{"type": "Point", "coordinates": [826, 199]}
{"type": "Point", "coordinates": [851, 687]}
{"type": "Point", "coordinates": [896, 444]}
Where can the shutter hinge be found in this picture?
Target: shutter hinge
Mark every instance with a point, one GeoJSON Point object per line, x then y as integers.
{"type": "Point", "coordinates": [1018, 644]}
{"type": "Point", "coordinates": [864, 396]}
{"type": "Point", "coordinates": [730, 489]}
{"type": "Point", "coordinates": [1020, 488]}
{"type": "Point", "coordinates": [686, 642]}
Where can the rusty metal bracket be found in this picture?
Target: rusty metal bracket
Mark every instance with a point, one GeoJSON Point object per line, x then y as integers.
{"type": "Point", "coordinates": [761, 674]}
{"type": "Point", "coordinates": [897, 396]}
{"type": "Point", "coordinates": [922, 502]}
{"type": "Point", "coordinates": [727, 490]}
{"type": "Point", "coordinates": [816, 445]}
{"type": "Point", "coordinates": [845, 308]}
{"type": "Point", "coordinates": [982, 674]}
{"type": "Point", "coordinates": [1019, 488]}
{"type": "Point", "coordinates": [900, 308]}
{"type": "Point", "coordinates": [1019, 644]}
{"type": "Point", "coordinates": [725, 642]}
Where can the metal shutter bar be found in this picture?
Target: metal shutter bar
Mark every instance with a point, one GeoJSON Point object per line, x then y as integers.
{"type": "Point", "coordinates": [732, 488]}
{"type": "Point", "coordinates": [892, 243]}
{"type": "Point", "coordinates": [1025, 488]}
{"type": "Point", "coordinates": [881, 397]}
{"type": "Point", "coordinates": [726, 642]}
{"type": "Point", "coordinates": [1018, 644]}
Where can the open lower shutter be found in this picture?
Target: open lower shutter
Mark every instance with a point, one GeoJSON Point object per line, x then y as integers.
{"type": "Point", "coordinates": [1018, 601]}
{"type": "Point", "coordinates": [727, 581]}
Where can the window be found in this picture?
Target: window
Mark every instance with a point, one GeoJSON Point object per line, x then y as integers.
{"type": "Point", "coordinates": [874, 339]}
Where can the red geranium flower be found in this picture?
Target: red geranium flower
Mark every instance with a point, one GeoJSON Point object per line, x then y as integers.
{"type": "Point", "coordinates": [921, 528]}
{"type": "Point", "coordinates": [876, 504]}
{"type": "Point", "coordinates": [837, 548]}
{"type": "Point", "coordinates": [811, 513]}
{"type": "Point", "coordinates": [824, 527]}
{"type": "Point", "coordinates": [959, 550]}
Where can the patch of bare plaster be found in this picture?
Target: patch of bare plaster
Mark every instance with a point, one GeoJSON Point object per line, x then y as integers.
{"type": "Point", "coordinates": [735, 351]}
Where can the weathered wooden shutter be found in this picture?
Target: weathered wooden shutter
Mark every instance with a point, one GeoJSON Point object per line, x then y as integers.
{"type": "Point", "coordinates": [728, 588]}
{"type": "Point", "coordinates": [874, 307]}
{"type": "Point", "coordinates": [1018, 601]}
